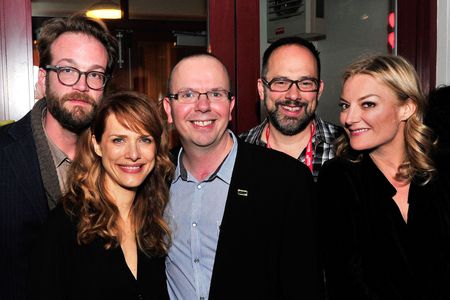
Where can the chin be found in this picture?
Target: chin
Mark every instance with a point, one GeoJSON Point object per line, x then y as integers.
{"type": "Point", "coordinates": [132, 185]}
{"type": "Point", "coordinates": [359, 147]}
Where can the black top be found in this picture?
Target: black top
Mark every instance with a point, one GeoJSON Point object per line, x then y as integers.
{"type": "Point", "coordinates": [369, 250]}
{"type": "Point", "coordinates": [61, 269]}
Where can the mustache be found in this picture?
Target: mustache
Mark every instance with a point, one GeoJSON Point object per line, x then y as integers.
{"type": "Point", "coordinates": [79, 96]}
{"type": "Point", "coordinates": [290, 102]}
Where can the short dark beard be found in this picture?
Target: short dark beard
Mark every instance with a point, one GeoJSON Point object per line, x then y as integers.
{"type": "Point", "coordinates": [288, 125]}
{"type": "Point", "coordinates": [75, 120]}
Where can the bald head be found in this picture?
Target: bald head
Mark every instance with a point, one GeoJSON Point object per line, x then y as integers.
{"type": "Point", "coordinates": [195, 65]}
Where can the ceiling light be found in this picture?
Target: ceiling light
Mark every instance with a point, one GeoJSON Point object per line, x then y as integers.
{"type": "Point", "coordinates": [104, 10]}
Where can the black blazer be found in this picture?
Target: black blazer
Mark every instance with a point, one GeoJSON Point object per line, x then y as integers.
{"type": "Point", "coordinates": [369, 251]}
{"type": "Point", "coordinates": [267, 242]}
{"type": "Point", "coordinates": [23, 205]}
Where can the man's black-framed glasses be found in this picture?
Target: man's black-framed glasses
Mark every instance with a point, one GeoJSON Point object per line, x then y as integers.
{"type": "Point", "coordinates": [284, 84]}
{"type": "Point", "coordinates": [191, 96]}
{"type": "Point", "coordinates": [69, 76]}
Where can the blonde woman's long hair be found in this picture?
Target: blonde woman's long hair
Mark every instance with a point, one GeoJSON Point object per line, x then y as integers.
{"type": "Point", "coordinates": [398, 75]}
{"type": "Point", "coordinates": [87, 199]}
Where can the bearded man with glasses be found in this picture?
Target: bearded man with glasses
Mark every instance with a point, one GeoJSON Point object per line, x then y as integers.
{"type": "Point", "coordinates": [290, 87]}
{"type": "Point", "coordinates": [76, 55]}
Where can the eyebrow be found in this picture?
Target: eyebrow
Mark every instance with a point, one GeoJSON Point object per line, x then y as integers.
{"type": "Point", "coordinates": [72, 62]}
{"type": "Point", "coordinates": [301, 78]}
{"type": "Point", "coordinates": [361, 98]}
{"type": "Point", "coordinates": [196, 90]}
{"type": "Point", "coordinates": [125, 135]}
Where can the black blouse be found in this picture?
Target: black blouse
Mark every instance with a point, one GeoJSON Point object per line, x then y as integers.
{"type": "Point", "coordinates": [62, 269]}
{"type": "Point", "coordinates": [369, 252]}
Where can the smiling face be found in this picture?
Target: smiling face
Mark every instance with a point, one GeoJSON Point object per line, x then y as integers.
{"type": "Point", "coordinates": [372, 115]}
{"type": "Point", "coordinates": [73, 106]}
{"type": "Point", "coordinates": [201, 124]}
{"type": "Point", "coordinates": [291, 111]}
{"type": "Point", "coordinates": [127, 156]}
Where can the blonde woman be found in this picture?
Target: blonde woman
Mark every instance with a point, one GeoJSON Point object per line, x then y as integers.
{"type": "Point", "coordinates": [385, 211]}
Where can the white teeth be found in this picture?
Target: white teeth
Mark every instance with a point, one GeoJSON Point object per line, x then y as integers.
{"type": "Point", "coordinates": [359, 130]}
{"type": "Point", "coordinates": [131, 167]}
{"type": "Point", "coordinates": [202, 123]}
{"type": "Point", "coordinates": [291, 108]}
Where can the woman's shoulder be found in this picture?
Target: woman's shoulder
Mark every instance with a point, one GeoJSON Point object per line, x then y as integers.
{"type": "Point", "coordinates": [441, 159]}
{"type": "Point", "coordinates": [339, 164]}
{"type": "Point", "coordinates": [342, 171]}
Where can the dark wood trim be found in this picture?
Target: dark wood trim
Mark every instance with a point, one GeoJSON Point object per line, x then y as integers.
{"type": "Point", "coordinates": [247, 64]}
{"type": "Point", "coordinates": [222, 39]}
{"type": "Point", "coordinates": [234, 38]}
{"type": "Point", "coordinates": [124, 7]}
{"type": "Point", "coordinates": [417, 35]}
{"type": "Point", "coordinates": [16, 59]}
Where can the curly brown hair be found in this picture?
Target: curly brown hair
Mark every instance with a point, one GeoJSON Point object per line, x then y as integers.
{"type": "Point", "coordinates": [87, 198]}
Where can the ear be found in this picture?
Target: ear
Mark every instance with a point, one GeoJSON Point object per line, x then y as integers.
{"type": "Point", "coordinates": [407, 109]}
{"type": "Point", "coordinates": [261, 89]}
{"type": "Point", "coordinates": [321, 86]}
{"type": "Point", "coordinates": [97, 147]}
{"type": "Point", "coordinates": [42, 76]}
{"type": "Point", "coordinates": [168, 109]}
{"type": "Point", "coordinates": [232, 102]}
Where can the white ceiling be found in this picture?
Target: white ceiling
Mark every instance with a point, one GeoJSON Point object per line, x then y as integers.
{"type": "Point", "coordinates": [138, 9]}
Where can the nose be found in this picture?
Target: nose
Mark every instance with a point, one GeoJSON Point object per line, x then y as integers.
{"type": "Point", "coordinates": [133, 151]}
{"type": "Point", "coordinates": [81, 85]}
{"type": "Point", "coordinates": [350, 116]}
{"type": "Point", "coordinates": [293, 92]}
{"type": "Point", "coordinates": [203, 104]}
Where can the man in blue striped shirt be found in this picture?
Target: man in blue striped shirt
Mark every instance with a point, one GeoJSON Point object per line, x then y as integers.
{"type": "Point", "coordinates": [233, 217]}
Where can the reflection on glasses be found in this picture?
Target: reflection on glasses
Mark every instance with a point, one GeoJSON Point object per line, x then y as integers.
{"type": "Point", "coordinates": [284, 84]}
{"type": "Point", "coordinates": [69, 76]}
{"type": "Point", "coordinates": [190, 96]}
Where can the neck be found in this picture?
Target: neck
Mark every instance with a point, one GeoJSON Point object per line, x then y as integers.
{"type": "Point", "coordinates": [123, 199]}
{"type": "Point", "coordinates": [389, 157]}
{"type": "Point", "coordinates": [203, 161]}
{"type": "Point", "coordinates": [292, 145]}
{"type": "Point", "coordinates": [61, 137]}
{"type": "Point", "coordinates": [389, 164]}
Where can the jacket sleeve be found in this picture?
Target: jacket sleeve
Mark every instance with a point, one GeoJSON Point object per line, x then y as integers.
{"type": "Point", "coordinates": [49, 265]}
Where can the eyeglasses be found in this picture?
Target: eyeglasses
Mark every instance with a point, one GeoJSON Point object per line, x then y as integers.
{"type": "Point", "coordinates": [284, 84]}
{"type": "Point", "coordinates": [69, 76]}
{"type": "Point", "coordinates": [190, 96]}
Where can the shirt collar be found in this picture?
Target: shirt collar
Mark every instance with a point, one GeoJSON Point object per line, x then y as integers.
{"type": "Point", "coordinates": [323, 133]}
{"type": "Point", "coordinates": [224, 171]}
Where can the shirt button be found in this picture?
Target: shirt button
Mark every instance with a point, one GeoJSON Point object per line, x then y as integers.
{"type": "Point", "coordinates": [196, 260]}
{"type": "Point", "coordinates": [194, 224]}
{"type": "Point", "coordinates": [199, 186]}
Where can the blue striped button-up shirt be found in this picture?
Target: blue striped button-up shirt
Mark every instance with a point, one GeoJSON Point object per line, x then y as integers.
{"type": "Point", "coordinates": [194, 215]}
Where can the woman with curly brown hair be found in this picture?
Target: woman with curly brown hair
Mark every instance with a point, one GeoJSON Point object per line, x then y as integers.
{"type": "Point", "coordinates": [107, 239]}
{"type": "Point", "coordinates": [385, 210]}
